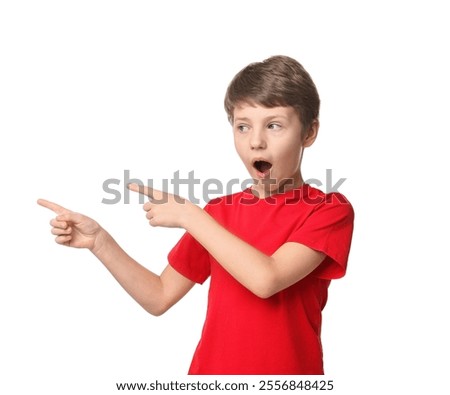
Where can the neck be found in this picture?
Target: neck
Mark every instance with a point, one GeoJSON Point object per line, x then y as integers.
{"type": "Point", "coordinates": [264, 189]}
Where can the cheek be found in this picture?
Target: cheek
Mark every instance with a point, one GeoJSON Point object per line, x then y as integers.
{"type": "Point", "coordinates": [290, 155]}
{"type": "Point", "coordinates": [239, 150]}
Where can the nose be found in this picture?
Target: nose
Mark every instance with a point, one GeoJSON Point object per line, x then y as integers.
{"type": "Point", "coordinates": [257, 140]}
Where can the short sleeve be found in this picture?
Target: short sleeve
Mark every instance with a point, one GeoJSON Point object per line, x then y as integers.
{"type": "Point", "coordinates": [328, 229]}
{"type": "Point", "coordinates": [189, 258]}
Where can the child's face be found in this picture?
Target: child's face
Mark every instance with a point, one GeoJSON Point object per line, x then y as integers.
{"type": "Point", "coordinates": [270, 142]}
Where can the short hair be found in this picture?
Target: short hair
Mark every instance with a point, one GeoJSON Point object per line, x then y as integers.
{"type": "Point", "coordinates": [276, 81]}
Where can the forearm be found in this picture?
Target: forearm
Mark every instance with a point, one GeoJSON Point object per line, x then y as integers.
{"type": "Point", "coordinates": [262, 274]}
{"type": "Point", "coordinates": [246, 264]}
{"type": "Point", "coordinates": [143, 285]}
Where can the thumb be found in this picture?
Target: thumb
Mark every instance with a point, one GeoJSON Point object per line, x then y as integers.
{"type": "Point", "coordinates": [69, 216]}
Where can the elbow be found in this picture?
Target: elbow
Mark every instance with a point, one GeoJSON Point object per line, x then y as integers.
{"type": "Point", "coordinates": [156, 310]}
{"type": "Point", "coordinates": [265, 288]}
{"type": "Point", "coordinates": [264, 292]}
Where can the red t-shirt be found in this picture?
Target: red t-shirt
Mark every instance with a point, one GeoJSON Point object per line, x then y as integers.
{"type": "Point", "coordinates": [244, 334]}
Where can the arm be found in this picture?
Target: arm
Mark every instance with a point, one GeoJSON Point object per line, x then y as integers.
{"type": "Point", "coordinates": [262, 274]}
{"type": "Point", "coordinates": [156, 294]}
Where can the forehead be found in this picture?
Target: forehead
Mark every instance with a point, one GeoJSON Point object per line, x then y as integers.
{"type": "Point", "coordinates": [254, 111]}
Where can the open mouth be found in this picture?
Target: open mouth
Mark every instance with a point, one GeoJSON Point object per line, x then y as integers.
{"type": "Point", "coordinates": [262, 166]}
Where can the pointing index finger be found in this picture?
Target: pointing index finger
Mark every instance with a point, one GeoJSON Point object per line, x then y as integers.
{"type": "Point", "coordinates": [147, 191]}
{"type": "Point", "coordinates": [52, 206]}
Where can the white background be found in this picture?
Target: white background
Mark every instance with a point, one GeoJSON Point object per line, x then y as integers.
{"type": "Point", "coordinates": [89, 89]}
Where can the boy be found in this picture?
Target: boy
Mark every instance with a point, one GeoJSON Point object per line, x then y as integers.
{"type": "Point", "coordinates": [271, 250]}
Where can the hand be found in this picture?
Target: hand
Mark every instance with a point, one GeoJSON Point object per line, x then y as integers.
{"type": "Point", "coordinates": [164, 209]}
{"type": "Point", "coordinates": [72, 229]}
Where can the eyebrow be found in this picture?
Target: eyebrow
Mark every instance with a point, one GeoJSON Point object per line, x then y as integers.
{"type": "Point", "coordinates": [241, 119]}
{"type": "Point", "coordinates": [266, 119]}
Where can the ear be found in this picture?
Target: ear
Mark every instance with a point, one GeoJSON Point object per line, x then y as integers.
{"type": "Point", "coordinates": [311, 133]}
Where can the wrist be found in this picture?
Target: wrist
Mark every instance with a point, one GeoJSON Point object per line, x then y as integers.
{"type": "Point", "coordinates": [101, 240]}
{"type": "Point", "coordinates": [191, 214]}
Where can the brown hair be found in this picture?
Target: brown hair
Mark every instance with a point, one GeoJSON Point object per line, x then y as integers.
{"type": "Point", "coordinates": [276, 81]}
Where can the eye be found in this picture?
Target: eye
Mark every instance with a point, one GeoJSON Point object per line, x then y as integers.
{"type": "Point", "coordinates": [274, 126]}
{"type": "Point", "coordinates": [242, 128]}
